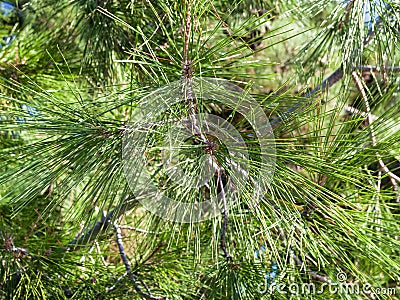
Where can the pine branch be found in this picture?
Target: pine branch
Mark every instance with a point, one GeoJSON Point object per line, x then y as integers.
{"type": "Point", "coordinates": [331, 80]}
{"type": "Point", "coordinates": [116, 283]}
{"type": "Point", "coordinates": [9, 246]}
{"type": "Point", "coordinates": [354, 111]}
{"type": "Point", "coordinates": [153, 253]}
{"type": "Point", "coordinates": [91, 234]}
{"type": "Point", "coordinates": [298, 107]}
{"type": "Point", "coordinates": [393, 177]}
{"type": "Point", "coordinates": [378, 68]}
{"type": "Point", "coordinates": [133, 277]}
{"type": "Point", "coordinates": [101, 226]}
{"type": "Point", "coordinates": [299, 262]}
{"type": "Point", "coordinates": [195, 128]}
{"type": "Point", "coordinates": [225, 216]}
{"type": "Point", "coordinates": [323, 87]}
{"type": "Point", "coordinates": [138, 229]}
{"type": "Point", "coordinates": [188, 26]}
{"type": "Point", "coordinates": [187, 75]}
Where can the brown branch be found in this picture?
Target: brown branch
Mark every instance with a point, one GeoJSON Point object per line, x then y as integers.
{"type": "Point", "coordinates": [90, 235]}
{"type": "Point", "coordinates": [323, 86]}
{"type": "Point", "coordinates": [192, 122]}
{"type": "Point", "coordinates": [378, 69]}
{"type": "Point", "coordinates": [116, 283]}
{"type": "Point", "coordinates": [132, 276]}
{"type": "Point", "coordinates": [298, 107]}
{"type": "Point", "coordinates": [225, 213]}
{"type": "Point", "coordinates": [187, 76]}
{"type": "Point", "coordinates": [187, 32]}
{"type": "Point", "coordinates": [138, 229]}
{"type": "Point", "coordinates": [101, 226]}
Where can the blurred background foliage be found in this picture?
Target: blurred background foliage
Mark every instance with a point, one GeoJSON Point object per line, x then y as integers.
{"type": "Point", "coordinates": [73, 72]}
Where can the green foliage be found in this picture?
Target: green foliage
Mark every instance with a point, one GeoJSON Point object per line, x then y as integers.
{"type": "Point", "coordinates": [72, 81]}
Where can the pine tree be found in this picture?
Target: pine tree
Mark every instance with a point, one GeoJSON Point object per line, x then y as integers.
{"type": "Point", "coordinates": [199, 149]}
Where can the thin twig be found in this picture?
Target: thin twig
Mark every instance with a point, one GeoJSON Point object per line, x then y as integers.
{"type": "Point", "coordinates": [138, 229]}
{"type": "Point", "coordinates": [187, 76]}
{"type": "Point", "coordinates": [116, 283]}
{"type": "Point", "coordinates": [187, 32]}
{"type": "Point", "coordinates": [323, 87]}
{"type": "Point", "coordinates": [298, 107]}
{"type": "Point", "coordinates": [122, 253]}
{"type": "Point", "coordinates": [132, 276]}
{"type": "Point", "coordinates": [354, 111]}
{"type": "Point", "coordinates": [225, 213]}
{"type": "Point", "coordinates": [101, 226]}
{"type": "Point", "coordinates": [378, 69]}
{"type": "Point", "coordinates": [96, 243]}
{"type": "Point", "coordinates": [328, 82]}
{"type": "Point", "coordinates": [393, 177]}
{"type": "Point", "coordinates": [195, 127]}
